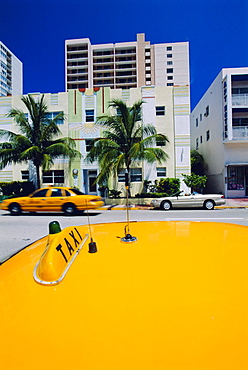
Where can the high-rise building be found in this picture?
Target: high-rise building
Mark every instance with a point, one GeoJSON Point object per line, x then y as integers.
{"type": "Point", "coordinates": [125, 65]}
{"type": "Point", "coordinates": [10, 73]}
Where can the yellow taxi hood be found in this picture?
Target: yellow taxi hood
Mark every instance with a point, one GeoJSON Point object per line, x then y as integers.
{"type": "Point", "coordinates": [164, 295]}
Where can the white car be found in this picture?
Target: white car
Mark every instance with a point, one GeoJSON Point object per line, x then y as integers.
{"type": "Point", "coordinates": [194, 200]}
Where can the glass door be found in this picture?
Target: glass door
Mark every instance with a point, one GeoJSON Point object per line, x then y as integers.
{"type": "Point", "coordinates": [92, 188]}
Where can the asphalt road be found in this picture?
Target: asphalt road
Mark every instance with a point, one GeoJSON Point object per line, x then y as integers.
{"type": "Point", "coordinates": [17, 232]}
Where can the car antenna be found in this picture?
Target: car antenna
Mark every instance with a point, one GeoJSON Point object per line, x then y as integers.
{"type": "Point", "coordinates": [128, 237]}
{"type": "Point", "coordinates": [92, 244]}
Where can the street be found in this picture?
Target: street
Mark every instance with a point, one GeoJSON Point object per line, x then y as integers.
{"type": "Point", "coordinates": [19, 231]}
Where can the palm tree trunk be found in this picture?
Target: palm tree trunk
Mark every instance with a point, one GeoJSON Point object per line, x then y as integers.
{"type": "Point", "coordinates": [127, 180]}
{"type": "Point", "coordinates": [37, 176]}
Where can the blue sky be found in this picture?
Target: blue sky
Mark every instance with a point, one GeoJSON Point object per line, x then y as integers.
{"type": "Point", "coordinates": [35, 31]}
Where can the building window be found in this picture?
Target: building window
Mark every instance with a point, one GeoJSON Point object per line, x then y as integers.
{"type": "Point", "coordinates": [160, 111]}
{"type": "Point", "coordinates": [160, 142]}
{"type": "Point", "coordinates": [197, 143]}
{"type": "Point", "coordinates": [25, 175]}
{"type": "Point", "coordinates": [89, 114]}
{"type": "Point", "coordinates": [169, 77]}
{"type": "Point", "coordinates": [88, 144]}
{"type": "Point", "coordinates": [207, 111]}
{"type": "Point", "coordinates": [121, 175]}
{"type": "Point", "coordinates": [135, 175]}
{"type": "Point", "coordinates": [53, 177]}
{"type": "Point", "coordinates": [170, 84]}
{"type": "Point", "coordinates": [118, 112]}
{"type": "Point", "coordinates": [208, 135]}
{"type": "Point", "coordinates": [235, 178]}
{"type": "Point", "coordinates": [240, 122]}
{"type": "Point", "coordinates": [52, 115]}
{"type": "Point", "coordinates": [169, 63]}
{"type": "Point", "coordinates": [196, 122]}
{"type": "Point", "coordinates": [169, 55]}
{"type": "Point", "coordinates": [169, 70]}
{"type": "Point", "coordinates": [200, 117]}
{"type": "Point", "coordinates": [169, 48]}
{"type": "Point", "coordinates": [201, 139]}
{"type": "Point", "coordinates": [161, 171]}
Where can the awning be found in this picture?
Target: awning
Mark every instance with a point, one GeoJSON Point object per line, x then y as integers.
{"type": "Point", "coordinates": [236, 164]}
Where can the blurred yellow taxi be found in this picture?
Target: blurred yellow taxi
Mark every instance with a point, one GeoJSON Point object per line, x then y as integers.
{"type": "Point", "coordinates": [52, 199]}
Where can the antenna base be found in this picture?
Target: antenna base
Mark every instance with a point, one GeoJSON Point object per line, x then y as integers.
{"type": "Point", "coordinates": [129, 239]}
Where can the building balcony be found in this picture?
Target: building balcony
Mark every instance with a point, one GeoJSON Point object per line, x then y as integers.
{"type": "Point", "coordinates": [240, 133]}
{"type": "Point", "coordinates": [240, 100]}
{"type": "Point", "coordinates": [76, 49]}
{"type": "Point", "coordinates": [78, 57]}
{"type": "Point", "coordinates": [102, 82]}
{"type": "Point", "coordinates": [102, 67]}
{"type": "Point", "coordinates": [100, 54]}
{"type": "Point", "coordinates": [125, 52]}
{"type": "Point", "coordinates": [75, 72]}
{"type": "Point", "coordinates": [102, 61]}
{"type": "Point", "coordinates": [124, 60]}
{"type": "Point", "coordinates": [76, 64]}
{"type": "Point", "coordinates": [129, 67]}
{"type": "Point", "coordinates": [99, 76]}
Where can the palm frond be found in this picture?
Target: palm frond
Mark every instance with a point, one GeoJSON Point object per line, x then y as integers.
{"type": "Point", "coordinates": [49, 130]}
{"type": "Point", "coordinates": [60, 149]}
{"type": "Point", "coordinates": [151, 155]}
{"type": "Point", "coordinates": [8, 134]}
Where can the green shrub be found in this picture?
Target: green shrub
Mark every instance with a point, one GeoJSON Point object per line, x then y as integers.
{"type": "Point", "coordinates": [114, 193]}
{"type": "Point", "coordinates": [167, 185]}
{"type": "Point", "coordinates": [17, 188]}
{"type": "Point", "coordinates": [151, 195]}
{"type": "Point", "coordinates": [161, 188]}
{"type": "Point", "coordinates": [195, 182]}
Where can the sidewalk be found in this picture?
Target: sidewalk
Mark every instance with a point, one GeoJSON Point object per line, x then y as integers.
{"type": "Point", "coordinates": [230, 203]}
{"type": "Point", "coordinates": [235, 203]}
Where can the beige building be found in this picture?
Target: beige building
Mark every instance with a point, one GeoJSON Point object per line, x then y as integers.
{"type": "Point", "coordinates": [166, 107]}
{"type": "Point", "coordinates": [56, 103]}
{"type": "Point", "coordinates": [125, 65]}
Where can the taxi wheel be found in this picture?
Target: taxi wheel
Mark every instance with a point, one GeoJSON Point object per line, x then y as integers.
{"type": "Point", "coordinates": [69, 209]}
{"type": "Point", "coordinates": [15, 209]}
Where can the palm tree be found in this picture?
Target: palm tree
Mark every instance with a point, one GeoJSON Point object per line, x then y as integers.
{"type": "Point", "coordinates": [35, 142]}
{"type": "Point", "coordinates": [125, 140]}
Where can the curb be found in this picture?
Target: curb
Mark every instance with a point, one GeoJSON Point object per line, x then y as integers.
{"type": "Point", "coordinates": [121, 208]}
{"type": "Point", "coordinates": [141, 207]}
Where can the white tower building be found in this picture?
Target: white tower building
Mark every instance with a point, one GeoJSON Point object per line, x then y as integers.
{"type": "Point", "coordinates": [11, 74]}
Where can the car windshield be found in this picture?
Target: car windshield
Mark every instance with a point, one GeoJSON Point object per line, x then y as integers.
{"type": "Point", "coordinates": [180, 192]}
{"type": "Point", "coordinates": [76, 191]}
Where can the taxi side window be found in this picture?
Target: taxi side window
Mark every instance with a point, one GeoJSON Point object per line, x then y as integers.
{"type": "Point", "coordinates": [67, 193]}
{"type": "Point", "coordinates": [56, 193]}
{"type": "Point", "coordinates": [41, 193]}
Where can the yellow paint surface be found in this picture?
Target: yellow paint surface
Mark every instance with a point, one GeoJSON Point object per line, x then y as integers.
{"type": "Point", "coordinates": [175, 299]}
